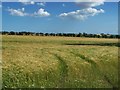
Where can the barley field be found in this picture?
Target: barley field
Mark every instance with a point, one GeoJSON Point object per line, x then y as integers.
{"type": "Point", "coordinates": [59, 62]}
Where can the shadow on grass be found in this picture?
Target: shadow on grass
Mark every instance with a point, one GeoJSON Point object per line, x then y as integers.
{"type": "Point", "coordinates": [96, 44]}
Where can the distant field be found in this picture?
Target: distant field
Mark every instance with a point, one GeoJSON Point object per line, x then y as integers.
{"type": "Point", "coordinates": [59, 62]}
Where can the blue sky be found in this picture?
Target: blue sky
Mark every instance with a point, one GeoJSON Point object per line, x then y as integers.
{"type": "Point", "coordinates": [65, 17]}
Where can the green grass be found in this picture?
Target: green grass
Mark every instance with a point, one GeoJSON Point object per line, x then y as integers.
{"type": "Point", "coordinates": [59, 62]}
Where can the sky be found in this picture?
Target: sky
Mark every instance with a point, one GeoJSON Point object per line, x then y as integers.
{"type": "Point", "coordinates": [60, 17]}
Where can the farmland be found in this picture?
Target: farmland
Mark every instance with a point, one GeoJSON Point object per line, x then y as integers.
{"type": "Point", "coordinates": [59, 62]}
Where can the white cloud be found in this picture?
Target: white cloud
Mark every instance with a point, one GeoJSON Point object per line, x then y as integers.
{"type": "Point", "coordinates": [41, 13]}
{"type": "Point", "coordinates": [17, 12]}
{"type": "Point", "coordinates": [63, 5]}
{"type": "Point", "coordinates": [81, 14]}
{"type": "Point", "coordinates": [41, 4]}
{"type": "Point", "coordinates": [21, 12]}
{"type": "Point", "coordinates": [27, 2]}
{"type": "Point", "coordinates": [89, 3]}
{"type": "Point", "coordinates": [23, 9]}
{"type": "Point", "coordinates": [23, 0]}
{"type": "Point", "coordinates": [87, 9]}
{"type": "Point", "coordinates": [32, 2]}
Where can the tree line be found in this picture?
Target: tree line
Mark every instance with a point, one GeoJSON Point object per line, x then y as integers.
{"type": "Point", "coordinates": [102, 35]}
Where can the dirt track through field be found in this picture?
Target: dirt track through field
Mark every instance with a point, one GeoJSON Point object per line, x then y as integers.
{"type": "Point", "coordinates": [94, 66]}
{"type": "Point", "coordinates": [63, 70]}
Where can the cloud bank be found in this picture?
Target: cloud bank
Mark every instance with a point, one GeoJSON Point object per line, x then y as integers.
{"type": "Point", "coordinates": [17, 12]}
{"type": "Point", "coordinates": [27, 2]}
{"type": "Point", "coordinates": [82, 14]}
{"type": "Point", "coordinates": [89, 3]}
{"type": "Point", "coordinates": [41, 13]}
{"type": "Point", "coordinates": [21, 12]}
{"type": "Point", "coordinates": [41, 4]}
{"type": "Point", "coordinates": [87, 9]}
